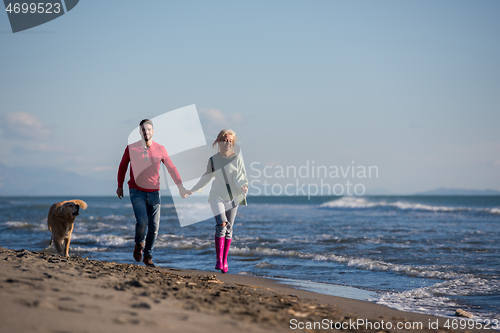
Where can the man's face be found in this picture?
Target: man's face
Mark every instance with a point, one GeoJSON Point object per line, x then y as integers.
{"type": "Point", "coordinates": [147, 132]}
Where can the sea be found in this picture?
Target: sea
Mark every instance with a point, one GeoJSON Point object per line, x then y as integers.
{"type": "Point", "coordinates": [425, 254]}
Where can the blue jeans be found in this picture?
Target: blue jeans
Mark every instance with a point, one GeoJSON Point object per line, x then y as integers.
{"type": "Point", "coordinates": [147, 215]}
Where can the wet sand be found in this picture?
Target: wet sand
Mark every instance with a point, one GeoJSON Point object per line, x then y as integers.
{"type": "Point", "coordinates": [43, 292]}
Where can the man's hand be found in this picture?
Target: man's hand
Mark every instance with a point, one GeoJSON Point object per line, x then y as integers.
{"type": "Point", "coordinates": [244, 188]}
{"type": "Point", "coordinates": [119, 192]}
{"type": "Point", "coordinates": [182, 191]}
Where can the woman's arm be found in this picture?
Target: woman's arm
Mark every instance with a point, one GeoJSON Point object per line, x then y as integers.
{"type": "Point", "coordinates": [205, 179]}
{"type": "Point", "coordinates": [241, 176]}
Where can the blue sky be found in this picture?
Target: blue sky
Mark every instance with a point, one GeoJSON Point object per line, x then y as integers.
{"type": "Point", "coordinates": [408, 86]}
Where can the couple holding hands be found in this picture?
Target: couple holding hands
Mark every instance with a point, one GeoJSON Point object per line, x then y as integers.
{"type": "Point", "coordinates": [228, 191]}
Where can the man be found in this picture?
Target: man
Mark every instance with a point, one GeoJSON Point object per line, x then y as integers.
{"type": "Point", "coordinates": [145, 157]}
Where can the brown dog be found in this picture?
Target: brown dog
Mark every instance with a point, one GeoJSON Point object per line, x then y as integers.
{"type": "Point", "coordinates": [61, 222]}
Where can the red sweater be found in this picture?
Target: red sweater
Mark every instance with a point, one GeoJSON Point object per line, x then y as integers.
{"type": "Point", "coordinates": [145, 167]}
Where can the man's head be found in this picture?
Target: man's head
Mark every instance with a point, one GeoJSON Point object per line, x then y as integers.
{"type": "Point", "coordinates": [146, 129]}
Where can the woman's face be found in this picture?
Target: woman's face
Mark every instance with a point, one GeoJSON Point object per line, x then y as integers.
{"type": "Point", "coordinates": [227, 142]}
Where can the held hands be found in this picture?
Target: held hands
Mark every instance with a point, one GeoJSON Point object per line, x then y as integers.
{"type": "Point", "coordinates": [186, 193]}
{"type": "Point", "coordinates": [183, 192]}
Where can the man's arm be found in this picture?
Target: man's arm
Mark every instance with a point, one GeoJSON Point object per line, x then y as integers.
{"type": "Point", "coordinates": [172, 170]}
{"type": "Point", "coordinates": [122, 171]}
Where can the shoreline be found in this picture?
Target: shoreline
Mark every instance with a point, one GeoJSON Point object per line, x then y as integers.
{"type": "Point", "coordinates": [336, 290]}
{"type": "Point", "coordinates": [43, 292]}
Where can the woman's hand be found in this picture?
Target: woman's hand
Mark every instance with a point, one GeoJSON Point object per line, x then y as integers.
{"type": "Point", "coordinates": [244, 188]}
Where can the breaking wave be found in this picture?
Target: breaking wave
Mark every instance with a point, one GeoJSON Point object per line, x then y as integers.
{"type": "Point", "coordinates": [362, 203]}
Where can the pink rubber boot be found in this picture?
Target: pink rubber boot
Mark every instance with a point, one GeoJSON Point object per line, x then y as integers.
{"type": "Point", "coordinates": [227, 244]}
{"type": "Point", "coordinates": [219, 250]}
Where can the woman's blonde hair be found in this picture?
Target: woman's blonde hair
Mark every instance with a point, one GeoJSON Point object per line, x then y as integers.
{"type": "Point", "coordinates": [222, 134]}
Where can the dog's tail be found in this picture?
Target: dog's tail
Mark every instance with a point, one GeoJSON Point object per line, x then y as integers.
{"type": "Point", "coordinates": [81, 203]}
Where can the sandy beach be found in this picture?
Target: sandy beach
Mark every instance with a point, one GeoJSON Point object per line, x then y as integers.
{"type": "Point", "coordinates": [43, 292]}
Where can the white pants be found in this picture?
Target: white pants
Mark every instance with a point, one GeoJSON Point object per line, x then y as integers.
{"type": "Point", "coordinates": [224, 211]}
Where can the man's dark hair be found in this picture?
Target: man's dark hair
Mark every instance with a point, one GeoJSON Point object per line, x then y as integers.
{"type": "Point", "coordinates": [146, 121]}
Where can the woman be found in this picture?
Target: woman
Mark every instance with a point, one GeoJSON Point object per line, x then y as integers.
{"type": "Point", "coordinates": [228, 192]}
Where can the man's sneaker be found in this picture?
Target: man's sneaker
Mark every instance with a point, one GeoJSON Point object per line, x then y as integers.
{"type": "Point", "coordinates": [148, 261]}
{"type": "Point", "coordinates": [138, 251]}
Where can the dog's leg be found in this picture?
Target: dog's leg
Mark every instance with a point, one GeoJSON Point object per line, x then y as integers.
{"type": "Point", "coordinates": [66, 245]}
{"type": "Point", "coordinates": [67, 240]}
{"type": "Point", "coordinates": [57, 244]}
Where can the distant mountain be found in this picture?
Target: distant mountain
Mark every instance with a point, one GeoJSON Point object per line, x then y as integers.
{"type": "Point", "coordinates": [22, 181]}
{"type": "Point", "coordinates": [458, 191]}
